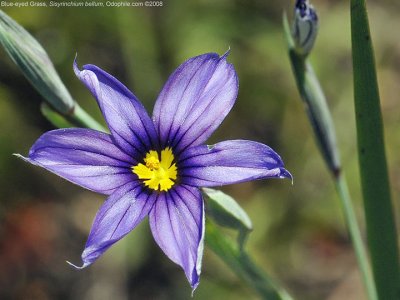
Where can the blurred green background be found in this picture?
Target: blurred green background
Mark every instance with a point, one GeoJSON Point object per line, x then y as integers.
{"type": "Point", "coordinates": [299, 234]}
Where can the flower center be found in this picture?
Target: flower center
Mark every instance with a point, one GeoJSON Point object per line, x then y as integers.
{"type": "Point", "coordinates": [157, 174]}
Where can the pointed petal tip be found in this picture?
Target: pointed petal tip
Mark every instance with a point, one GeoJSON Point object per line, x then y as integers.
{"type": "Point", "coordinates": [29, 159]}
{"type": "Point", "coordinates": [286, 174]}
{"type": "Point", "coordinates": [85, 264]}
{"type": "Point", "coordinates": [75, 66]}
{"type": "Point", "coordinates": [194, 283]}
{"type": "Point", "coordinates": [225, 55]}
{"type": "Point", "coordinates": [20, 156]}
{"type": "Point", "coordinates": [194, 287]}
{"type": "Point", "coordinates": [25, 159]}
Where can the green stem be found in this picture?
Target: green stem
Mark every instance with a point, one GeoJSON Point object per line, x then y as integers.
{"type": "Point", "coordinates": [324, 130]}
{"type": "Point", "coordinates": [317, 110]}
{"type": "Point", "coordinates": [381, 230]}
{"type": "Point", "coordinates": [351, 220]}
{"type": "Point", "coordinates": [81, 118]}
{"type": "Point", "coordinates": [243, 265]}
{"type": "Point", "coordinates": [323, 127]}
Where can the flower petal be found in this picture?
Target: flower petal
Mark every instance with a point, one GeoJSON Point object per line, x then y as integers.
{"type": "Point", "coordinates": [129, 123]}
{"type": "Point", "coordinates": [195, 100]}
{"type": "Point", "coordinates": [230, 162]}
{"type": "Point", "coordinates": [121, 213]}
{"type": "Point", "coordinates": [177, 224]}
{"type": "Point", "coordinates": [85, 157]}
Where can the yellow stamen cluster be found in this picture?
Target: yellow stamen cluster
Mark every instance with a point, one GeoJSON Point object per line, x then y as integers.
{"type": "Point", "coordinates": [157, 174]}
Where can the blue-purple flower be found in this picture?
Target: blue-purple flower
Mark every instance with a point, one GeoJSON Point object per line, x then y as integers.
{"type": "Point", "coordinates": [154, 167]}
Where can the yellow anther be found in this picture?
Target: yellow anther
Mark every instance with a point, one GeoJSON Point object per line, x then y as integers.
{"type": "Point", "coordinates": [157, 175]}
{"type": "Point", "coordinates": [152, 163]}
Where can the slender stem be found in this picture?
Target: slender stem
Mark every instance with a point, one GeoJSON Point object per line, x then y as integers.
{"type": "Point", "coordinates": [352, 224]}
{"type": "Point", "coordinates": [243, 266]}
{"type": "Point", "coordinates": [381, 229]}
{"type": "Point", "coordinates": [81, 118]}
{"type": "Point", "coordinates": [324, 131]}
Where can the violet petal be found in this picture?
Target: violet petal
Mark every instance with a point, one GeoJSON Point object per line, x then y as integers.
{"type": "Point", "coordinates": [120, 214]}
{"type": "Point", "coordinates": [177, 224]}
{"type": "Point", "coordinates": [85, 157]}
{"type": "Point", "coordinates": [230, 162]}
{"type": "Point", "coordinates": [195, 100]}
{"type": "Point", "coordinates": [129, 123]}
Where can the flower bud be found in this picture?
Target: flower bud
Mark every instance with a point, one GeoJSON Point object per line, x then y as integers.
{"type": "Point", "coordinates": [305, 27]}
{"type": "Point", "coordinates": [225, 211]}
{"type": "Point", "coordinates": [35, 64]}
{"type": "Point", "coordinates": [313, 95]}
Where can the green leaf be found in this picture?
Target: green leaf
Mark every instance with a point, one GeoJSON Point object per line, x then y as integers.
{"type": "Point", "coordinates": [381, 228]}
{"type": "Point", "coordinates": [228, 213]}
{"type": "Point", "coordinates": [35, 64]}
{"type": "Point", "coordinates": [37, 67]}
{"type": "Point", "coordinates": [54, 117]}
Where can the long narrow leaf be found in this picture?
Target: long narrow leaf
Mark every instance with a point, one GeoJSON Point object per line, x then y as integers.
{"type": "Point", "coordinates": [381, 231]}
{"type": "Point", "coordinates": [35, 64]}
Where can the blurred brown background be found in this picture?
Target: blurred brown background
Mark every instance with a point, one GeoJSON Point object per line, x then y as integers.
{"type": "Point", "coordinates": [299, 234]}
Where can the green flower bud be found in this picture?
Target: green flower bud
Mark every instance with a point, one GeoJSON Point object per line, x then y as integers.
{"type": "Point", "coordinates": [305, 27]}
{"type": "Point", "coordinates": [228, 213]}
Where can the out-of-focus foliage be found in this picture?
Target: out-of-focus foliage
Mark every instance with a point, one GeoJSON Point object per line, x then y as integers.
{"type": "Point", "coordinates": [34, 63]}
{"type": "Point", "coordinates": [299, 235]}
